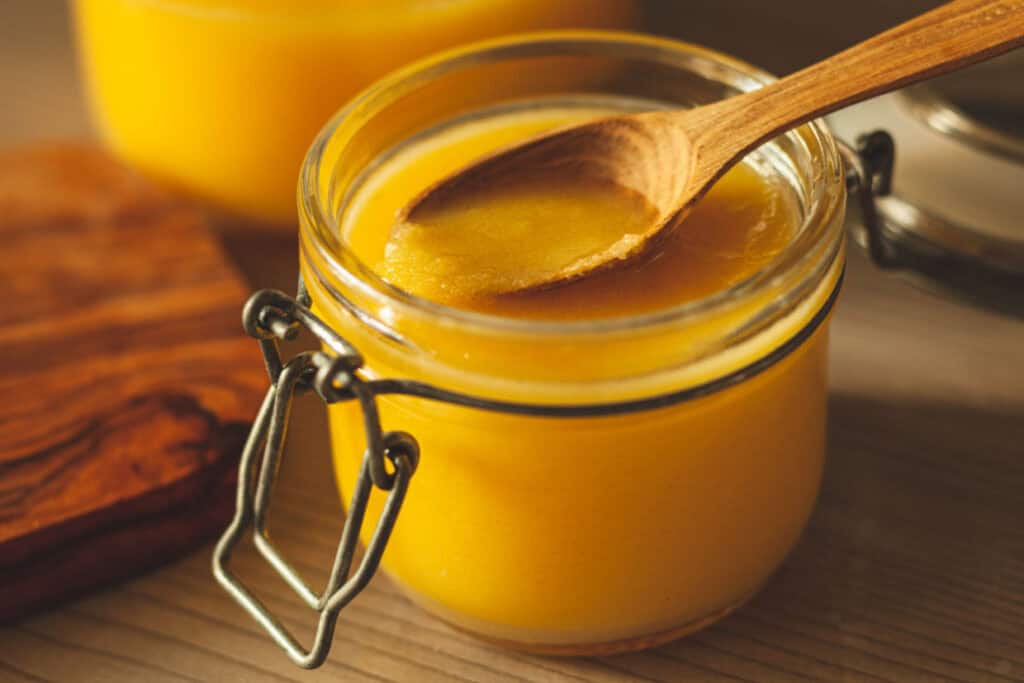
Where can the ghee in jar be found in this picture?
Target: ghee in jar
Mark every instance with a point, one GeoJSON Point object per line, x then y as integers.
{"type": "Point", "coordinates": [493, 235]}
{"type": "Point", "coordinates": [589, 534]}
{"type": "Point", "coordinates": [222, 97]}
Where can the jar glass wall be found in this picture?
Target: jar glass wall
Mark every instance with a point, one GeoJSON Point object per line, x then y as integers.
{"type": "Point", "coordinates": [651, 471]}
{"type": "Point", "coordinates": [223, 96]}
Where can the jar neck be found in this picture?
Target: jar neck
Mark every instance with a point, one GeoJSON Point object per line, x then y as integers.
{"type": "Point", "coordinates": [639, 355]}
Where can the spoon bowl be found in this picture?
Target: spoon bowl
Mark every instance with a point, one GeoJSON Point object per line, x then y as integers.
{"type": "Point", "coordinates": [625, 154]}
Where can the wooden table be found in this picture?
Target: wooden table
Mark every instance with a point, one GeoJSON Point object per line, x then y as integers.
{"type": "Point", "coordinates": [912, 568]}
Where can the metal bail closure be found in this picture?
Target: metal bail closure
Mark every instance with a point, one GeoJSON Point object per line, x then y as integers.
{"type": "Point", "coordinates": [931, 251]}
{"type": "Point", "coordinates": [869, 173]}
{"type": "Point", "coordinates": [270, 316]}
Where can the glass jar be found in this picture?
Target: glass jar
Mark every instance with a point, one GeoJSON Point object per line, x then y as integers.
{"type": "Point", "coordinates": [585, 487]}
{"type": "Point", "coordinates": [222, 97]}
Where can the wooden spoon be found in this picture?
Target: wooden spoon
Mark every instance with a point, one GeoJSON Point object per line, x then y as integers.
{"type": "Point", "coordinates": [671, 158]}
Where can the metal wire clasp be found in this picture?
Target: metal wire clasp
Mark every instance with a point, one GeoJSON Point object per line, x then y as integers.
{"type": "Point", "coordinates": [869, 172]}
{"type": "Point", "coordinates": [271, 316]}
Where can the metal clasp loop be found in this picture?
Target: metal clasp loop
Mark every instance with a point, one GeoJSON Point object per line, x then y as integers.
{"type": "Point", "coordinates": [869, 172]}
{"type": "Point", "coordinates": [270, 316]}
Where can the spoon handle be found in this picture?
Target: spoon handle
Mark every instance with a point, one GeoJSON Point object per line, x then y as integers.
{"type": "Point", "coordinates": [954, 35]}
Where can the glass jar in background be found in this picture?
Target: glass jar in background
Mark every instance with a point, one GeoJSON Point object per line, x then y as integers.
{"type": "Point", "coordinates": [222, 97]}
{"type": "Point", "coordinates": [632, 479]}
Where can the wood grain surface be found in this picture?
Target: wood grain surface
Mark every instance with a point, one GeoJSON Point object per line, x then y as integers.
{"type": "Point", "coordinates": [128, 385]}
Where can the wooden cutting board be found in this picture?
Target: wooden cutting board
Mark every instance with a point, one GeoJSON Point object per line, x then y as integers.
{"type": "Point", "coordinates": [126, 382]}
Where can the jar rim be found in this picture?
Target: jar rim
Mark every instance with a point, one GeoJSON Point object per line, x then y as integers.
{"type": "Point", "coordinates": [320, 229]}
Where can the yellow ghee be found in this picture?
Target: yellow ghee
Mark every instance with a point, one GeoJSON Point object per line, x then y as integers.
{"type": "Point", "coordinates": [570, 534]}
{"type": "Point", "coordinates": [500, 238]}
{"type": "Point", "coordinates": [493, 236]}
{"type": "Point", "coordinates": [223, 96]}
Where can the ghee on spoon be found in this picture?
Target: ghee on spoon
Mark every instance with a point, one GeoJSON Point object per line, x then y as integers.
{"type": "Point", "coordinates": [669, 159]}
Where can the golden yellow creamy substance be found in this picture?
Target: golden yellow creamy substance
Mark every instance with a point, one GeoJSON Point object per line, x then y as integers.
{"type": "Point", "coordinates": [495, 234]}
{"type": "Point", "coordinates": [222, 97]}
{"type": "Point", "coordinates": [577, 531]}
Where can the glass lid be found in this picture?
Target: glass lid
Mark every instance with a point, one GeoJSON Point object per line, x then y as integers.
{"type": "Point", "coordinates": [981, 106]}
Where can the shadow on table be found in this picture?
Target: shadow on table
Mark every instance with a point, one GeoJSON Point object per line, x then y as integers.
{"type": "Point", "coordinates": [913, 563]}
